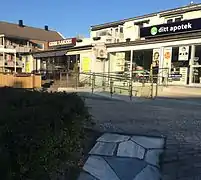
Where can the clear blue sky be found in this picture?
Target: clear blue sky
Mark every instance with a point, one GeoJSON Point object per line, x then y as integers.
{"type": "Point", "coordinates": [71, 17]}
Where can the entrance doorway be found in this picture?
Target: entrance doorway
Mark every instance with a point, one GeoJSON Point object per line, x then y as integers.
{"type": "Point", "coordinates": [196, 67]}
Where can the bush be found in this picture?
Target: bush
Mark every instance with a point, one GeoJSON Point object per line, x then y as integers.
{"type": "Point", "coordinates": [40, 133]}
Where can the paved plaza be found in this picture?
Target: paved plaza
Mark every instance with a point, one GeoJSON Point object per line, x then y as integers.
{"type": "Point", "coordinates": [177, 120]}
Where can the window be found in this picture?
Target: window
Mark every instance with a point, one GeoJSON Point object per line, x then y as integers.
{"type": "Point", "coordinates": [174, 19]}
{"type": "Point", "coordinates": [169, 21]}
{"type": "Point", "coordinates": [108, 40]}
{"type": "Point", "coordinates": [177, 19]}
{"type": "Point", "coordinates": [1, 40]}
{"type": "Point", "coordinates": [140, 25]}
{"type": "Point", "coordinates": [103, 33]}
{"type": "Point", "coordinates": [40, 46]}
{"type": "Point", "coordinates": [121, 29]}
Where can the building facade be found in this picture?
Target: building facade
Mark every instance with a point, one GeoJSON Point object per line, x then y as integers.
{"type": "Point", "coordinates": [169, 40]}
{"type": "Point", "coordinates": [17, 39]}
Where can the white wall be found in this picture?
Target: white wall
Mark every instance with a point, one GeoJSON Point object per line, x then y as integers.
{"type": "Point", "coordinates": [192, 15]}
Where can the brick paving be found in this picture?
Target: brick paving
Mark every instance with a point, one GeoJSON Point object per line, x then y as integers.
{"type": "Point", "coordinates": [178, 121]}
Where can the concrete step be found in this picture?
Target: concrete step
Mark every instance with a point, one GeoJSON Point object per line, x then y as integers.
{"type": "Point", "coordinates": [179, 91]}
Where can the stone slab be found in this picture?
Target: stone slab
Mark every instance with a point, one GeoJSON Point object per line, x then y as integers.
{"type": "Point", "coordinates": [98, 167]}
{"type": "Point", "coordinates": [130, 149]}
{"type": "Point", "coordinates": [153, 156]}
{"type": "Point", "coordinates": [126, 168]}
{"type": "Point", "coordinates": [102, 148]}
{"type": "Point", "coordinates": [109, 137]}
{"type": "Point", "coordinates": [148, 173]}
{"type": "Point", "coordinates": [149, 142]}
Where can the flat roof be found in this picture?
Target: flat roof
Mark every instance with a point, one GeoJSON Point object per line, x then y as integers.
{"type": "Point", "coordinates": [84, 47]}
{"type": "Point", "coordinates": [183, 9]}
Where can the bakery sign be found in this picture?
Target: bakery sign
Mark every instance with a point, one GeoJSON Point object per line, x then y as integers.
{"type": "Point", "coordinates": [185, 26]}
{"type": "Point", "coordinates": [63, 42]}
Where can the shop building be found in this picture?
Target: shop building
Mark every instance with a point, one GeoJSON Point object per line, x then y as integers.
{"type": "Point", "coordinates": [62, 55]}
{"type": "Point", "coordinates": [169, 40]}
{"type": "Point", "coordinates": [17, 39]}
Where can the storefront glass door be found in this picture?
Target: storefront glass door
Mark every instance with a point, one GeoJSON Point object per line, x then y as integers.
{"type": "Point", "coordinates": [196, 67]}
{"type": "Point", "coordinates": [196, 75]}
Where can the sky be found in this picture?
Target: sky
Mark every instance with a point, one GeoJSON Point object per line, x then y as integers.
{"type": "Point", "coordinates": [74, 17]}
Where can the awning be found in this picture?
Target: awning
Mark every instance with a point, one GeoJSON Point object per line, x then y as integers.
{"type": "Point", "coordinates": [50, 54]}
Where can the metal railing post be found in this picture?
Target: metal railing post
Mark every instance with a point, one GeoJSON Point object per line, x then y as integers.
{"type": "Point", "coordinates": [131, 88]}
{"type": "Point", "coordinates": [67, 78]}
{"type": "Point", "coordinates": [111, 87]}
{"type": "Point", "coordinates": [156, 93]}
{"type": "Point", "coordinates": [76, 80]}
{"type": "Point", "coordinates": [60, 78]}
{"type": "Point", "coordinates": [152, 81]}
{"type": "Point", "coordinates": [93, 83]}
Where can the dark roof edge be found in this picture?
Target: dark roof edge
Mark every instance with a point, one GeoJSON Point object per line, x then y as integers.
{"type": "Point", "coordinates": [24, 38]}
{"type": "Point", "coordinates": [62, 49]}
{"type": "Point", "coordinates": [115, 23]}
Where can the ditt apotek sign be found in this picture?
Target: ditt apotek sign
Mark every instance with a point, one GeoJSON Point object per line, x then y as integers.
{"type": "Point", "coordinates": [171, 29]}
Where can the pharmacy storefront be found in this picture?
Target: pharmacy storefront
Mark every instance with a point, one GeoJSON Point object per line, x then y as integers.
{"type": "Point", "coordinates": [174, 48]}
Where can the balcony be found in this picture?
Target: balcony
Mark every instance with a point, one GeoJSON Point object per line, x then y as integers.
{"type": "Point", "coordinates": [23, 49]}
{"type": "Point", "coordinates": [19, 49]}
{"type": "Point", "coordinates": [11, 64]}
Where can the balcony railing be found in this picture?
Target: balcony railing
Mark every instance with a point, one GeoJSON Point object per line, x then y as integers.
{"type": "Point", "coordinates": [10, 63]}
{"type": "Point", "coordinates": [19, 48]}
{"type": "Point", "coordinates": [23, 49]}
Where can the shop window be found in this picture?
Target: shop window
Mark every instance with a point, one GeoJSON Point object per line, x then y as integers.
{"type": "Point", "coordinates": [176, 64]}
{"type": "Point", "coordinates": [143, 59]}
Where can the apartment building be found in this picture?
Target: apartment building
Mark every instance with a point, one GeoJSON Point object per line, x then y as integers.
{"type": "Point", "coordinates": [169, 40]}
{"type": "Point", "coordinates": [17, 39]}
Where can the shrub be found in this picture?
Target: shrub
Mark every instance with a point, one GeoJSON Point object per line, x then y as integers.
{"type": "Point", "coordinates": [39, 132]}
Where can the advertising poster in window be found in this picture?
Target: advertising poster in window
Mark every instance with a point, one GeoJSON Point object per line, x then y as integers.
{"type": "Point", "coordinates": [120, 61]}
{"type": "Point", "coordinates": [156, 57]}
{"type": "Point", "coordinates": [167, 59]}
{"type": "Point", "coordinates": [183, 53]}
{"type": "Point", "coordinates": [27, 66]}
{"type": "Point", "coordinates": [86, 64]}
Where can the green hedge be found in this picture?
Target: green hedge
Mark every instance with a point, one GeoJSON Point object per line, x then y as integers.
{"type": "Point", "coordinates": [40, 133]}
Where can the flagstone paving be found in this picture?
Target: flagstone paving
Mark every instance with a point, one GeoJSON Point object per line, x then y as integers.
{"type": "Point", "coordinates": [123, 157]}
